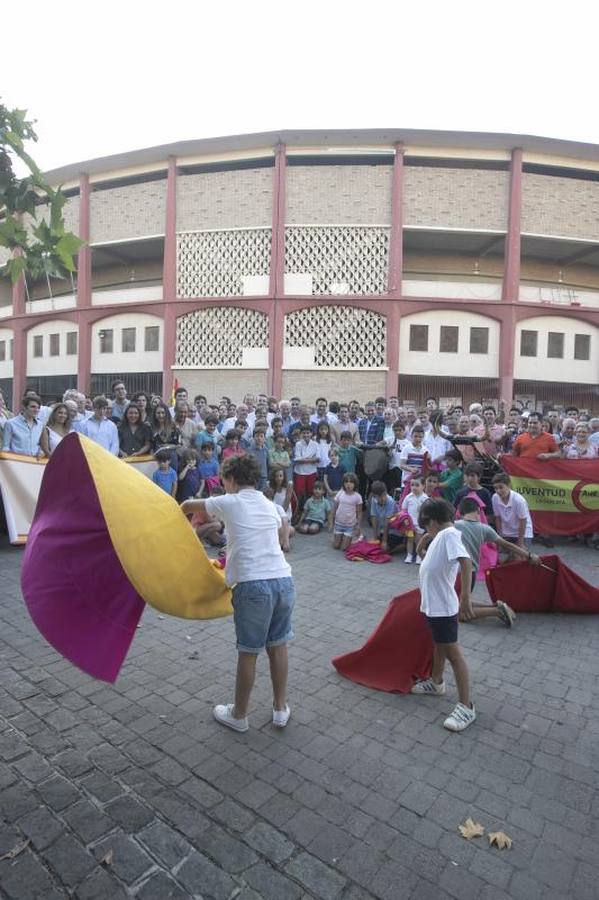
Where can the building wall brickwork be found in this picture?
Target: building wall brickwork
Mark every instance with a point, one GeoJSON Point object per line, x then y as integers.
{"type": "Point", "coordinates": [214, 383]}
{"type": "Point", "coordinates": [337, 385]}
{"type": "Point", "coordinates": [338, 195]}
{"type": "Point", "coordinates": [566, 207]}
{"type": "Point", "coordinates": [134, 211]}
{"type": "Point", "coordinates": [71, 214]}
{"type": "Point", "coordinates": [456, 198]}
{"type": "Point", "coordinates": [235, 199]}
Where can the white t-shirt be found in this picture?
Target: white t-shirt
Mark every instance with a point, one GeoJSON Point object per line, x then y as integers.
{"type": "Point", "coordinates": [396, 446]}
{"type": "Point", "coordinates": [438, 573]}
{"type": "Point", "coordinates": [510, 513]}
{"type": "Point", "coordinates": [437, 445]}
{"type": "Point", "coordinates": [305, 451]}
{"type": "Point", "coordinates": [252, 525]}
{"type": "Point", "coordinates": [411, 504]}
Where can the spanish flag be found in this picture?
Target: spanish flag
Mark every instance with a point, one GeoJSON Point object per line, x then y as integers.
{"type": "Point", "coordinates": [174, 391]}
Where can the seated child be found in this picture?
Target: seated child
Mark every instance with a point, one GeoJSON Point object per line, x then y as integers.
{"type": "Point", "coordinates": [431, 486]}
{"type": "Point", "coordinates": [207, 527]}
{"type": "Point", "coordinates": [189, 480]}
{"type": "Point", "coordinates": [333, 474]}
{"type": "Point", "coordinates": [286, 531]}
{"type": "Point", "coordinates": [282, 489]}
{"type": "Point", "coordinates": [451, 479]}
{"type": "Point", "coordinates": [382, 510]}
{"type": "Point", "coordinates": [165, 476]}
{"type": "Point", "coordinates": [208, 469]}
{"type": "Point", "coordinates": [347, 512]}
{"type": "Point", "coordinates": [316, 511]}
{"type": "Point", "coordinates": [412, 504]}
{"type": "Point", "coordinates": [472, 475]}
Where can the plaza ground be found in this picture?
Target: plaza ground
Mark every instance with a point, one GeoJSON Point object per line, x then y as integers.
{"type": "Point", "coordinates": [134, 789]}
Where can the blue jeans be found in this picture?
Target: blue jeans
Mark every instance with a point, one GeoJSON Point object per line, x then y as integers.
{"type": "Point", "coordinates": [262, 613]}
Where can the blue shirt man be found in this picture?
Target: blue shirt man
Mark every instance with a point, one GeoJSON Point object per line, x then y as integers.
{"type": "Point", "coordinates": [100, 429]}
{"type": "Point", "coordinates": [22, 433]}
{"type": "Point", "coordinates": [372, 428]}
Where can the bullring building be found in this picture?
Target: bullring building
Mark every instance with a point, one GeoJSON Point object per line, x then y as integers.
{"type": "Point", "coordinates": [343, 263]}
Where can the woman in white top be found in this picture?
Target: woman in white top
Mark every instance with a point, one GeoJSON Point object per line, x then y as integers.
{"type": "Point", "coordinates": [389, 416]}
{"type": "Point", "coordinates": [436, 440]}
{"type": "Point", "coordinates": [57, 427]}
{"type": "Point", "coordinates": [581, 447]}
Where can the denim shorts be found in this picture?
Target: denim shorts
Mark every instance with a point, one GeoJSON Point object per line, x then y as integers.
{"type": "Point", "coordinates": [262, 613]}
{"type": "Point", "coordinates": [444, 628]}
{"type": "Point", "coordinates": [347, 530]}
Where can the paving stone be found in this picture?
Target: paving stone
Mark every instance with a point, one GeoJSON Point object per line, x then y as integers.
{"type": "Point", "coordinates": [233, 815]}
{"type": "Point", "coordinates": [69, 860]}
{"type": "Point", "coordinates": [129, 861]}
{"type": "Point", "coordinates": [200, 876]}
{"type": "Point", "coordinates": [270, 842]}
{"type": "Point", "coordinates": [9, 838]}
{"type": "Point", "coordinates": [87, 821]}
{"type": "Point", "coordinates": [41, 827]}
{"type": "Point", "coordinates": [129, 814]}
{"type": "Point", "coordinates": [33, 767]}
{"type": "Point", "coordinates": [101, 787]}
{"type": "Point", "coordinates": [101, 885]}
{"type": "Point", "coordinates": [57, 792]}
{"type": "Point", "coordinates": [271, 885]}
{"type": "Point", "coordinates": [73, 763]}
{"type": "Point", "coordinates": [316, 876]}
{"type": "Point", "coordinates": [161, 887]}
{"type": "Point", "coordinates": [15, 802]}
{"type": "Point", "coordinates": [229, 852]}
{"type": "Point", "coordinates": [165, 844]}
{"type": "Point", "coordinates": [27, 879]}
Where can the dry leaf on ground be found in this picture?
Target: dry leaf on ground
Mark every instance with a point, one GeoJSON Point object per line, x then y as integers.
{"type": "Point", "coordinates": [18, 848]}
{"type": "Point", "coordinates": [471, 829]}
{"type": "Point", "coordinates": [500, 839]}
{"type": "Point", "coordinates": [107, 858]}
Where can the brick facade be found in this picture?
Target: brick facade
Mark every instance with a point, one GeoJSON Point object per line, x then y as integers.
{"type": "Point", "coordinates": [236, 199]}
{"type": "Point", "coordinates": [134, 211]}
{"type": "Point", "coordinates": [214, 383]}
{"type": "Point", "coordinates": [564, 207]}
{"type": "Point", "coordinates": [455, 198]}
{"type": "Point", "coordinates": [339, 195]}
{"type": "Point", "coordinates": [337, 385]}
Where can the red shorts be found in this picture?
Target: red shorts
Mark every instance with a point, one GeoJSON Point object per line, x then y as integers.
{"type": "Point", "coordinates": [304, 485]}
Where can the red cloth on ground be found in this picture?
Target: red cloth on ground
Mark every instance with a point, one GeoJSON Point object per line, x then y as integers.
{"type": "Point", "coordinates": [397, 653]}
{"type": "Point", "coordinates": [533, 589]}
{"type": "Point", "coordinates": [367, 550]}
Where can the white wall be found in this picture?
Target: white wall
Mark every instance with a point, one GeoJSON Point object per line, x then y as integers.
{"type": "Point", "coordinates": [139, 361]}
{"type": "Point", "coordinates": [463, 363]}
{"type": "Point", "coordinates": [568, 369]}
{"type": "Point", "coordinates": [126, 295]}
{"type": "Point", "coordinates": [46, 364]}
{"type": "Point", "coordinates": [6, 367]}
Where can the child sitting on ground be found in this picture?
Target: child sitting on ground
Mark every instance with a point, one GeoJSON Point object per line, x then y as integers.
{"type": "Point", "coordinates": [472, 475]}
{"type": "Point", "coordinates": [451, 479]}
{"type": "Point", "coordinates": [189, 479]}
{"type": "Point", "coordinates": [333, 474]}
{"type": "Point", "coordinates": [207, 527]}
{"type": "Point", "coordinates": [382, 510]}
{"type": "Point", "coordinates": [165, 476]}
{"type": "Point", "coordinates": [208, 469]}
{"type": "Point", "coordinates": [412, 504]}
{"type": "Point", "coordinates": [347, 512]}
{"type": "Point", "coordinates": [316, 512]}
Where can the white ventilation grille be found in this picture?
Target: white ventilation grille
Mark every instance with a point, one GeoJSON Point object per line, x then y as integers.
{"type": "Point", "coordinates": [354, 256]}
{"type": "Point", "coordinates": [216, 263]}
{"type": "Point", "coordinates": [218, 336]}
{"type": "Point", "coordinates": [339, 336]}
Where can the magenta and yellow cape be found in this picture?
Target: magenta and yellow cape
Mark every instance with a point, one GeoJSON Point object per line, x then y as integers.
{"type": "Point", "coordinates": [105, 540]}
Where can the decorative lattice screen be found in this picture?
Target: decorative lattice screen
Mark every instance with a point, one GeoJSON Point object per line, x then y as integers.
{"type": "Point", "coordinates": [351, 255]}
{"type": "Point", "coordinates": [342, 336]}
{"type": "Point", "coordinates": [213, 263]}
{"type": "Point", "coordinates": [218, 336]}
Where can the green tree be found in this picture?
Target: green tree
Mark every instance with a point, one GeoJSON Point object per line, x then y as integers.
{"type": "Point", "coordinates": [46, 250]}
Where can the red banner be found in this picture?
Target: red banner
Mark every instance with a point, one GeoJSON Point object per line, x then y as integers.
{"type": "Point", "coordinates": [562, 494]}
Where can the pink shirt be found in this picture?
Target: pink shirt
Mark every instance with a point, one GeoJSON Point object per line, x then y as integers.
{"type": "Point", "coordinates": [347, 507]}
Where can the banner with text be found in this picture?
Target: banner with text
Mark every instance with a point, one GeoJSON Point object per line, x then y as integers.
{"type": "Point", "coordinates": [562, 494]}
{"type": "Point", "coordinates": [20, 481]}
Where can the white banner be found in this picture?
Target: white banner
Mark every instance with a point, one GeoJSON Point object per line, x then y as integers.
{"type": "Point", "coordinates": [20, 481]}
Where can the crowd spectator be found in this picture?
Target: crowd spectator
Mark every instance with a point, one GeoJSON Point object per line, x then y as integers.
{"type": "Point", "coordinates": [119, 402]}
{"type": "Point", "coordinates": [58, 425]}
{"type": "Point", "coordinates": [22, 433]}
{"type": "Point", "coordinates": [100, 428]}
{"type": "Point", "coordinates": [135, 435]}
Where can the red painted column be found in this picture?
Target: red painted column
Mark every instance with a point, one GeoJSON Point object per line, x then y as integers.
{"type": "Point", "coordinates": [277, 273]}
{"type": "Point", "coordinates": [396, 241]}
{"type": "Point", "coordinates": [84, 353]}
{"type": "Point", "coordinates": [511, 271]}
{"type": "Point", "coordinates": [169, 280]}
{"type": "Point", "coordinates": [19, 377]}
{"type": "Point", "coordinates": [84, 257]}
{"type": "Point", "coordinates": [393, 319]}
{"type": "Point", "coordinates": [511, 279]}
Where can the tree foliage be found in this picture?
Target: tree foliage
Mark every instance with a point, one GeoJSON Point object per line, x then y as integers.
{"type": "Point", "coordinates": [46, 250]}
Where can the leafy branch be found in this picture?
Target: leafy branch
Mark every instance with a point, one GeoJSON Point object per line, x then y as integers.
{"type": "Point", "coordinates": [47, 250]}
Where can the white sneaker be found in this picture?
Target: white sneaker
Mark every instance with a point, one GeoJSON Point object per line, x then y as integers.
{"type": "Point", "coordinates": [461, 718]}
{"type": "Point", "coordinates": [280, 717]}
{"type": "Point", "coordinates": [408, 558]}
{"type": "Point", "coordinates": [417, 560]}
{"type": "Point", "coordinates": [428, 686]}
{"type": "Point", "coordinates": [224, 714]}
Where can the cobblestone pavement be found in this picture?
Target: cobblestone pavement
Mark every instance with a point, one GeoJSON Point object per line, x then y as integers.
{"type": "Point", "coordinates": [134, 790]}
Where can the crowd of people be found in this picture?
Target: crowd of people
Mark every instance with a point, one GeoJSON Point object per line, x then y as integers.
{"type": "Point", "coordinates": [425, 481]}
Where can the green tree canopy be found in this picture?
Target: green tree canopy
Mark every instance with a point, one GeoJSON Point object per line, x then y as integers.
{"type": "Point", "coordinates": [46, 250]}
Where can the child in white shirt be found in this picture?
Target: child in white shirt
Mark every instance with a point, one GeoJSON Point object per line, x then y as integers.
{"type": "Point", "coordinates": [412, 504]}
